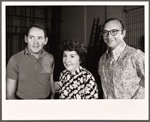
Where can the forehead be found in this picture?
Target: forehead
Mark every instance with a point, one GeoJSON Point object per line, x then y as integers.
{"type": "Point", "coordinates": [114, 24]}
{"type": "Point", "coordinates": [70, 52]}
{"type": "Point", "coordinates": [36, 31]}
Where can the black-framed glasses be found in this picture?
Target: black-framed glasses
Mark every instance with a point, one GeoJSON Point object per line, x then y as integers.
{"type": "Point", "coordinates": [113, 32]}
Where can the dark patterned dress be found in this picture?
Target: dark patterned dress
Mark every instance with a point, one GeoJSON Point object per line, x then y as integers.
{"type": "Point", "coordinates": [80, 85]}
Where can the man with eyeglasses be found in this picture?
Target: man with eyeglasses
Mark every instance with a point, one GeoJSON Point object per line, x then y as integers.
{"type": "Point", "coordinates": [121, 67]}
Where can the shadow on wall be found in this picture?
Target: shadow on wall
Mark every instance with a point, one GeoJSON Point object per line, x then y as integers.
{"type": "Point", "coordinates": [92, 60]}
{"type": "Point", "coordinates": [140, 45]}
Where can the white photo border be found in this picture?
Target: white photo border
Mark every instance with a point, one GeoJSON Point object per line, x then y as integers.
{"type": "Point", "coordinates": [75, 109]}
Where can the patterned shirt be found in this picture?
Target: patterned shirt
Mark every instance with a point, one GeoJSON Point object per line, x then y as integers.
{"type": "Point", "coordinates": [122, 73]}
{"type": "Point", "coordinates": [80, 85]}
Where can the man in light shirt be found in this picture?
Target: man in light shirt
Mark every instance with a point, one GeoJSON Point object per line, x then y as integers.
{"type": "Point", "coordinates": [121, 67]}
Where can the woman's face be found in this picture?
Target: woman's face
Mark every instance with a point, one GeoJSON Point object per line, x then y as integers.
{"type": "Point", "coordinates": [71, 60]}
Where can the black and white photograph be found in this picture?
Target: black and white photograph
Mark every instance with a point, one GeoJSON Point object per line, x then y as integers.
{"type": "Point", "coordinates": [75, 60]}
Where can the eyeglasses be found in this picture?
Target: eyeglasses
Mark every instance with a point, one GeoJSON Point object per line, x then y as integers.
{"type": "Point", "coordinates": [113, 32]}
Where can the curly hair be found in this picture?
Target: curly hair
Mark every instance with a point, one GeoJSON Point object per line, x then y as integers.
{"type": "Point", "coordinates": [74, 44]}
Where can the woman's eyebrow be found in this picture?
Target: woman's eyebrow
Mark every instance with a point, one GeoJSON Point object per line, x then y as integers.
{"type": "Point", "coordinates": [73, 54]}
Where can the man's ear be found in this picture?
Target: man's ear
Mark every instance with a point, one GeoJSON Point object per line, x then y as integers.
{"type": "Point", "coordinates": [26, 39]}
{"type": "Point", "coordinates": [46, 40]}
{"type": "Point", "coordinates": [123, 33]}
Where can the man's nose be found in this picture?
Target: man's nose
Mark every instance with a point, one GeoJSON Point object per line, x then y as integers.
{"type": "Point", "coordinates": [35, 41]}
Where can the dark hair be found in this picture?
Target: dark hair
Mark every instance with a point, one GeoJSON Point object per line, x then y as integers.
{"type": "Point", "coordinates": [37, 26]}
{"type": "Point", "coordinates": [111, 19]}
{"type": "Point", "coordinates": [74, 44]}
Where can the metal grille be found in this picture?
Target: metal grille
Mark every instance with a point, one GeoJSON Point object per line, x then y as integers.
{"type": "Point", "coordinates": [134, 26]}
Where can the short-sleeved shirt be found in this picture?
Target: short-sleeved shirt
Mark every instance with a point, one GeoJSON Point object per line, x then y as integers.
{"type": "Point", "coordinates": [80, 85]}
{"type": "Point", "coordinates": [122, 73]}
{"type": "Point", "coordinates": [32, 74]}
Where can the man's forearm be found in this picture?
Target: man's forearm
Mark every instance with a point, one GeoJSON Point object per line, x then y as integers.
{"type": "Point", "coordinates": [52, 90]}
{"type": "Point", "coordinates": [52, 96]}
{"type": "Point", "coordinates": [10, 96]}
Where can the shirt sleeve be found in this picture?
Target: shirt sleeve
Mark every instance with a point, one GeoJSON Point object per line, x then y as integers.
{"type": "Point", "coordinates": [140, 67]}
{"type": "Point", "coordinates": [12, 69]}
{"type": "Point", "coordinates": [52, 63]}
{"type": "Point", "coordinates": [91, 89]}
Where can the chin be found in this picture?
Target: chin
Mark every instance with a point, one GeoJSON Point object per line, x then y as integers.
{"type": "Point", "coordinates": [111, 45]}
{"type": "Point", "coordinates": [36, 50]}
{"type": "Point", "coordinates": [69, 69]}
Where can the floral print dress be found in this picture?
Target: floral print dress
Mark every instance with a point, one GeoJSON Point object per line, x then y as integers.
{"type": "Point", "coordinates": [80, 85]}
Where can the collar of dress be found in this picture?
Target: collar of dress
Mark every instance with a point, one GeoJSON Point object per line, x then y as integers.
{"type": "Point", "coordinates": [77, 71]}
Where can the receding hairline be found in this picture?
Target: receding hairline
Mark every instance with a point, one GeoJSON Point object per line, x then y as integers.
{"type": "Point", "coordinates": [36, 28]}
{"type": "Point", "coordinates": [39, 26]}
{"type": "Point", "coordinates": [114, 20]}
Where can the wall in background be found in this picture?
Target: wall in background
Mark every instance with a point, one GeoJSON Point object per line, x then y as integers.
{"type": "Point", "coordinates": [115, 12]}
{"type": "Point", "coordinates": [18, 19]}
{"type": "Point", "coordinates": [79, 20]}
{"type": "Point", "coordinates": [73, 25]}
{"type": "Point", "coordinates": [91, 13]}
{"type": "Point", "coordinates": [134, 22]}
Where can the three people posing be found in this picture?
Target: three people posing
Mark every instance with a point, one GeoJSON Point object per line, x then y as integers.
{"type": "Point", "coordinates": [121, 68]}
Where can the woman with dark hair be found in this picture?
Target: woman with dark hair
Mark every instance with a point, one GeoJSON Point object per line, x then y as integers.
{"type": "Point", "coordinates": [75, 81]}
